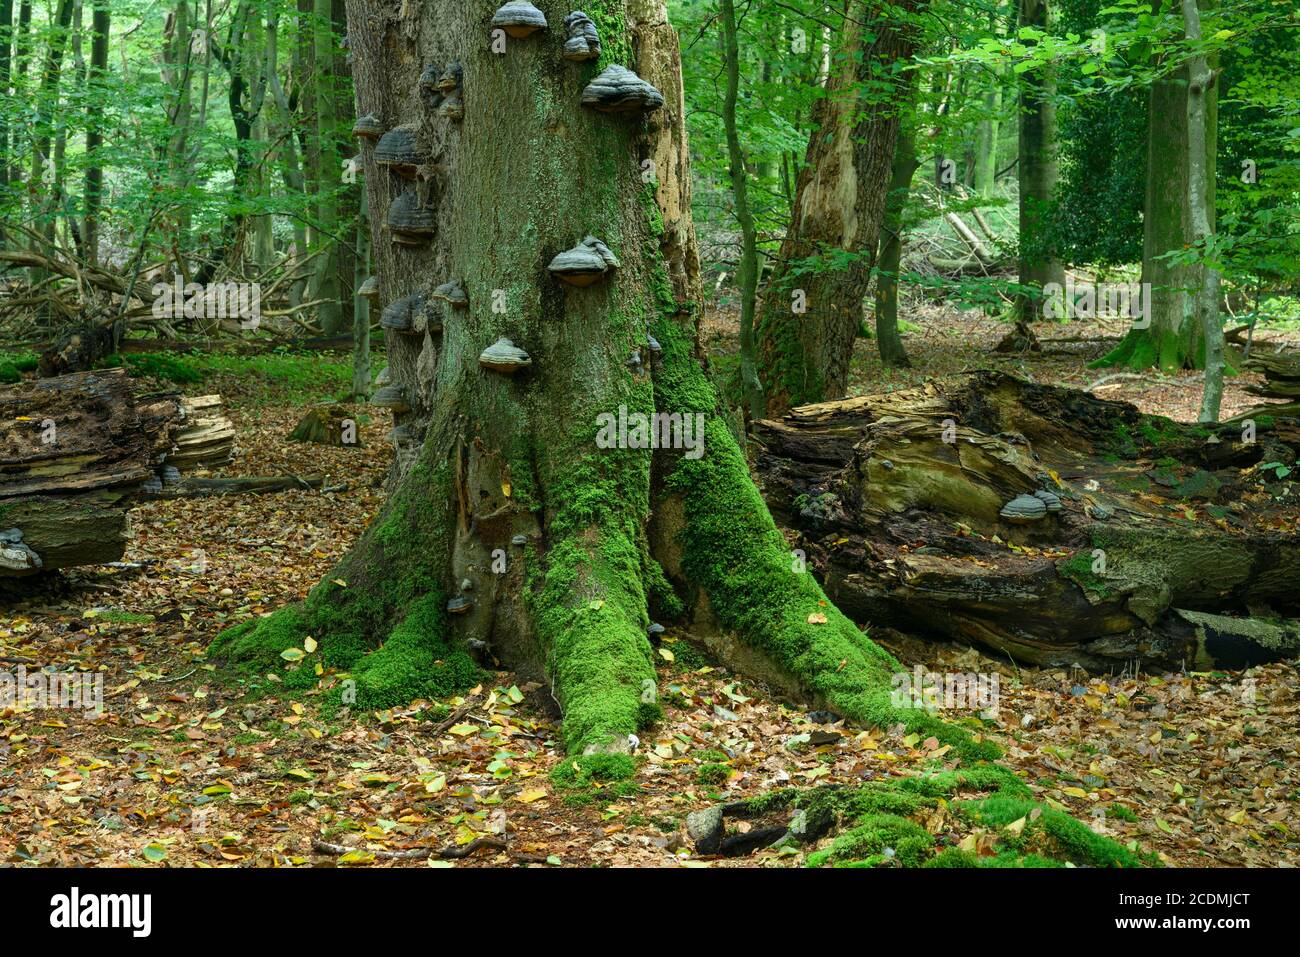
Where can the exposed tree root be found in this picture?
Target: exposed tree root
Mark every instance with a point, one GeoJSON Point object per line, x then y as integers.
{"type": "Point", "coordinates": [916, 822]}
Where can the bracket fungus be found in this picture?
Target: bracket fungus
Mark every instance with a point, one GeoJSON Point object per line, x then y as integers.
{"type": "Point", "coordinates": [407, 316]}
{"type": "Point", "coordinates": [460, 605]}
{"type": "Point", "coordinates": [1024, 509]}
{"type": "Point", "coordinates": [384, 378]}
{"type": "Point", "coordinates": [519, 18]}
{"type": "Point", "coordinates": [15, 555]}
{"type": "Point", "coordinates": [584, 41]}
{"type": "Point", "coordinates": [618, 90]}
{"type": "Point", "coordinates": [369, 289]}
{"type": "Point", "coordinates": [391, 397]}
{"type": "Point", "coordinates": [430, 95]}
{"type": "Point", "coordinates": [519, 540]}
{"type": "Point", "coordinates": [400, 151]}
{"type": "Point", "coordinates": [450, 86]}
{"type": "Point", "coordinates": [1050, 499]}
{"type": "Point", "coordinates": [651, 343]}
{"type": "Point", "coordinates": [452, 293]}
{"type": "Point", "coordinates": [634, 361]}
{"type": "Point", "coordinates": [584, 263]}
{"type": "Point", "coordinates": [504, 356]}
{"type": "Point", "coordinates": [409, 222]}
{"type": "Point", "coordinates": [367, 127]}
{"type": "Point", "coordinates": [402, 434]}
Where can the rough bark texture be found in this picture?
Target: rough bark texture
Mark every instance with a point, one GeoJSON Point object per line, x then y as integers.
{"type": "Point", "coordinates": [610, 536]}
{"type": "Point", "coordinates": [898, 498]}
{"type": "Point", "coordinates": [1038, 168]}
{"type": "Point", "coordinates": [804, 355]}
{"type": "Point", "coordinates": [888, 340]}
{"type": "Point", "coordinates": [1173, 339]}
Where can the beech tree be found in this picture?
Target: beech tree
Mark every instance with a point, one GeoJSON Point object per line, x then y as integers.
{"type": "Point", "coordinates": [509, 532]}
{"type": "Point", "coordinates": [812, 309]}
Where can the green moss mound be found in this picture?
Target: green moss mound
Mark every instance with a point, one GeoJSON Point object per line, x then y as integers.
{"type": "Point", "coordinates": [383, 628]}
{"type": "Point", "coordinates": [880, 823]}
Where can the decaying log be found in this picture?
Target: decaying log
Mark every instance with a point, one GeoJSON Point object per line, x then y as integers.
{"type": "Point", "coordinates": [206, 438]}
{"type": "Point", "coordinates": [75, 450]}
{"type": "Point", "coordinates": [897, 499]}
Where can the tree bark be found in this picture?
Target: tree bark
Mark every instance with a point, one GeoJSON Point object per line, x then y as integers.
{"type": "Point", "coordinates": [610, 535]}
{"type": "Point", "coordinates": [809, 319]}
{"type": "Point", "coordinates": [1038, 169]}
{"type": "Point", "coordinates": [100, 25]}
{"type": "Point", "coordinates": [1170, 338]}
{"type": "Point", "coordinates": [1203, 301]}
{"type": "Point", "coordinates": [888, 340]}
{"type": "Point", "coordinates": [748, 271]}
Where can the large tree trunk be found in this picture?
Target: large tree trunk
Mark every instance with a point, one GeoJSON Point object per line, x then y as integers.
{"type": "Point", "coordinates": [1038, 169]}
{"type": "Point", "coordinates": [1170, 338]}
{"type": "Point", "coordinates": [899, 498]}
{"type": "Point", "coordinates": [513, 530]}
{"type": "Point", "coordinates": [809, 319]}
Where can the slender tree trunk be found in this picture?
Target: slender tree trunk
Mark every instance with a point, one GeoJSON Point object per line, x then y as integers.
{"type": "Point", "coordinates": [1038, 169]}
{"type": "Point", "coordinates": [808, 322]}
{"type": "Point", "coordinates": [1203, 301]}
{"type": "Point", "coordinates": [178, 74]}
{"type": "Point", "coordinates": [100, 24]}
{"type": "Point", "coordinates": [612, 532]}
{"type": "Point", "coordinates": [6, 61]}
{"type": "Point", "coordinates": [1169, 337]}
{"type": "Point", "coordinates": [888, 340]}
{"type": "Point", "coordinates": [329, 173]}
{"type": "Point", "coordinates": [748, 272]}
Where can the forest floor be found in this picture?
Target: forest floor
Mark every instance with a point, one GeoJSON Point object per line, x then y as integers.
{"type": "Point", "coordinates": [181, 770]}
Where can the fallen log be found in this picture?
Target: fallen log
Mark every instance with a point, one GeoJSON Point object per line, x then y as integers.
{"type": "Point", "coordinates": [74, 452]}
{"type": "Point", "coordinates": [258, 484]}
{"type": "Point", "coordinates": [906, 505]}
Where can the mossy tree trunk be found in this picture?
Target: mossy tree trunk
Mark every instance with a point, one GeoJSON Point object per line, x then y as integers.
{"type": "Point", "coordinates": [888, 340]}
{"type": "Point", "coordinates": [1038, 169]}
{"type": "Point", "coordinates": [811, 311]}
{"type": "Point", "coordinates": [611, 536]}
{"type": "Point", "coordinates": [1170, 338]}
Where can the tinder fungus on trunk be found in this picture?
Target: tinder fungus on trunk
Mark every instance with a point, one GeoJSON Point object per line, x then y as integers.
{"type": "Point", "coordinates": [619, 90]}
{"type": "Point", "coordinates": [400, 151]}
{"type": "Point", "coordinates": [584, 41]}
{"type": "Point", "coordinates": [584, 263]}
{"type": "Point", "coordinates": [504, 356]}
{"type": "Point", "coordinates": [519, 18]}
{"type": "Point", "coordinates": [409, 222]}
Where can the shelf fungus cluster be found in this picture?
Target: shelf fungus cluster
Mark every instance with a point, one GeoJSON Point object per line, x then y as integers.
{"type": "Point", "coordinates": [584, 263]}
{"type": "Point", "coordinates": [409, 316]}
{"type": "Point", "coordinates": [451, 86]}
{"type": "Point", "coordinates": [518, 19]}
{"type": "Point", "coordinates": [505, 357]}
{"type": "Point", "coordinates": [619, 90]}
{"type": "Point", "coordinates": [583, 42]}
{"type": "Point", "coordinates": [409, 222]}
{"type": "Point", "coordinates": [399, 150]}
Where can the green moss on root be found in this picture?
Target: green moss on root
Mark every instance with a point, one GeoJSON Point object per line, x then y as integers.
{"type": "Point", "coordinates": [734, 551]}
{"type": "Point", "coordinates": [379, 616]}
